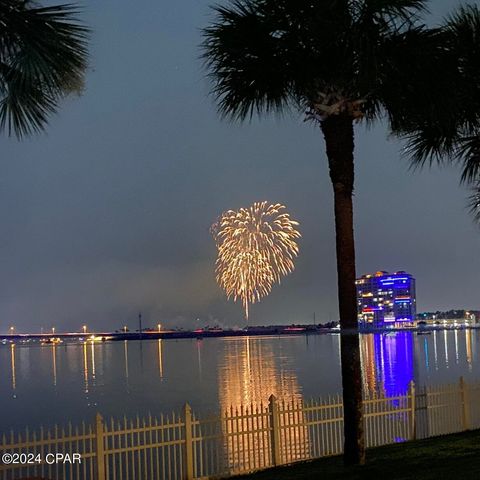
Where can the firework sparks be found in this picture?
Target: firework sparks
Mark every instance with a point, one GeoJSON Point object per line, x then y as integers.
{"type": "Point", "coordinates": [256, 248]}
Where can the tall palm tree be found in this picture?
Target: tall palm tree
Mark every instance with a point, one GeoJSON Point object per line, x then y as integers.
{"type": "Point", "coordinates": [43, 56]}
{"type": "Point", "coordinates": [340, 62]}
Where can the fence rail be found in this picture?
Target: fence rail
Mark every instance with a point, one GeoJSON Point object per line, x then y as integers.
{"type": "Point", "coordinates": [239, 440]}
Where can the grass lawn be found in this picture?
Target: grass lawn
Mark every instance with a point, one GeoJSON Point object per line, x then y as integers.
{"type": "Point", "coordinates": [450, 457]}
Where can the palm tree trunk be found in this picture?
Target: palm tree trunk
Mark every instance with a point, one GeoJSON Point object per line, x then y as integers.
{"type": "Point", "coordinates": [339, 138]}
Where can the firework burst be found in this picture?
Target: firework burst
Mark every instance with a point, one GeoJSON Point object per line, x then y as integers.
{"type": "Point", "coordinates": [256, 247]}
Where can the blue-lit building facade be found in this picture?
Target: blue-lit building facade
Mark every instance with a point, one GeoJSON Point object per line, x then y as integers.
{"type": "Point", "coordinates": [386, 299]}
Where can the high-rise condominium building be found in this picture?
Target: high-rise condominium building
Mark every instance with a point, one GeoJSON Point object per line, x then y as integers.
{"type": "Point", "coordinates": [386, 299]}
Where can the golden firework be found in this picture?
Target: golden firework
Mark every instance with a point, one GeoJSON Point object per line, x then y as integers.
{"type": "Point", "coordinates": [256, 248]}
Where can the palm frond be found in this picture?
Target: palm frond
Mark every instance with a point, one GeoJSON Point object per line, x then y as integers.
{"type": "Point", "coordinates": [245, 62]}
{"type": "Point", "coordinates": [440, 118]}
{"type": "Point", "coordinates": [396, 13]}
{"type": "Point", "coordinates": [263, 55]}
{"type": "Point", "coordinates": [430, 144]}
{"type": "Point", "coordinates": [463, 29]}
{"type": "Point", "coordinates": [416, 92]}
{"type": "Point", "coordinates": [468, 154]}
{"type": "Point", "coordinates": [26, 108]}
{"type": "Point", "coordinates": [474, 202]}
{"type": "Point", "coordinates": [43, 55]}
{"type": "Point", "coordinates": [465, 23]}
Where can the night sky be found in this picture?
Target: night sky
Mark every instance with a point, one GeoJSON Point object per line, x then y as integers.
{"type": "Point", "coordinates": [108, 213]}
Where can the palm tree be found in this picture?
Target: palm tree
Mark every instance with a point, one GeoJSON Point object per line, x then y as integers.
{"type": "Point", "coordinates": [43, 56]}
{"type": "Point", "coordinates": [340, 62]}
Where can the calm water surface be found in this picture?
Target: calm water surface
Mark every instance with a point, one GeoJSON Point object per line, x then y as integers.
{"type": "Point", "coordinates": [48, 384]}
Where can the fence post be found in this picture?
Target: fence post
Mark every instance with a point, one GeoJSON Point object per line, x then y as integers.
{"type": "Point", "coordinates": [465, 404]}
{"type": "Point", "coordinates": [187, 410]}
{"type": "Point", "coordinates": [100, 447]}
{"type": "Point", "coordinates": [413, 423]}
{"type": "Point", "coordinates": [275, 429]}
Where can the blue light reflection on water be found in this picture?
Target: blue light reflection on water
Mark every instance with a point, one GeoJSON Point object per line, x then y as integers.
{"type": "Point", "coordinates": [394, 362]}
